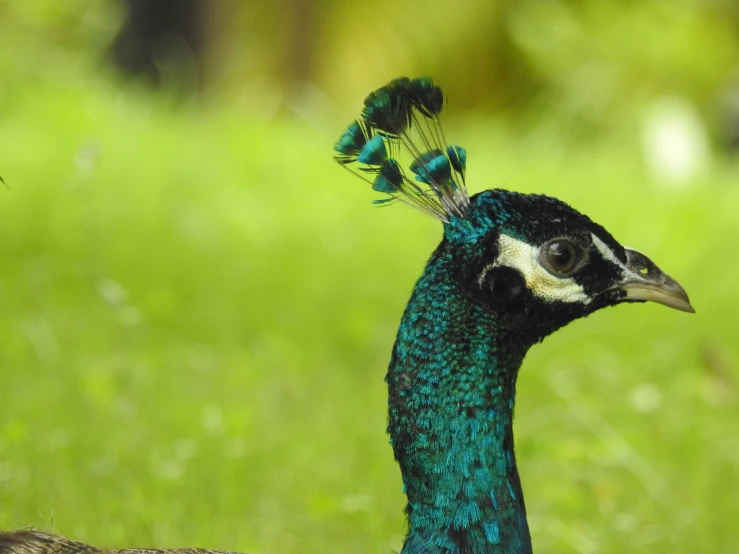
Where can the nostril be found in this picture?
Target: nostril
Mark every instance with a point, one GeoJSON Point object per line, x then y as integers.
{"type": "Point", "coordinates": [639, 263]}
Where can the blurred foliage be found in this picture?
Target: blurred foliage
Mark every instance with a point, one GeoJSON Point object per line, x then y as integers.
{"type": "Point", "coordinates": [585, 58]}
{"type": "Point", "coordinates": [197, 306]}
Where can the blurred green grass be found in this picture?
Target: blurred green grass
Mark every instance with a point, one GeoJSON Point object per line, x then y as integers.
{"type": "Point", "coordinates": [196, 313]}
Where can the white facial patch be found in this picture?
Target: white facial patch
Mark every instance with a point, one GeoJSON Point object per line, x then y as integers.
{"type": "Point", "coordinates": [524, 258]}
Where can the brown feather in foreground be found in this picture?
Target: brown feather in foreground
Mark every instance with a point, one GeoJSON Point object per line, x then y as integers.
{"type": "Point", "coordinates": [38, 542]}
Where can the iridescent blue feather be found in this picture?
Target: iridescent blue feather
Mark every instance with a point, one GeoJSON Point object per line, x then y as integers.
{"type": "Point", "coordinates": [432, 167]}
{"type": "Point", "coordinates": [401, 120]}
{"type": "Point", "coordinates": [458, 158]}
{"type": "Point", "coordinates": [389, 179]}
{"type": "Point", "coordinates": [374, 152]}
{"type": "Point", "coordinates": [351, 142]}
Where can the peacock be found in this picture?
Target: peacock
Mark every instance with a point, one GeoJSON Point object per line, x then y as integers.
{"type": "Point", "coordinates": [511, 269]}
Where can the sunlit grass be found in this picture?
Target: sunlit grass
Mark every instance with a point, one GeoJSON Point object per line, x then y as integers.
{"type": "Point", "coordinates": [196, 313]}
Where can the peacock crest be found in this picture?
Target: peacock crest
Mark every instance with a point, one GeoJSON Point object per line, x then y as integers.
{"type": "Point", "coordinates": [398, 146]}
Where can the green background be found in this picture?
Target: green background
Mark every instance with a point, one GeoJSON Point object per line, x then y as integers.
{"type": "Point", "coordinates": [197, 305]}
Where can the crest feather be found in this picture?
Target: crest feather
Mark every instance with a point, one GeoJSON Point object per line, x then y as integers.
{"type": "Point", "coordinates": [401, 120]}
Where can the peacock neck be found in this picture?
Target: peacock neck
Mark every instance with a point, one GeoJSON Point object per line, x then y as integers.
{"type": "Point", "coordinates": [452, 384]}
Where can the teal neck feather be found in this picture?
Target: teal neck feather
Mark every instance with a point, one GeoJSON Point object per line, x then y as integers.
{"type": "Point", "coordinates": [452, 386]}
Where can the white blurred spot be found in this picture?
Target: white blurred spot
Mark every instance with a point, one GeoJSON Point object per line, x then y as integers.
{"type": "Point", "coordinates": [213, 420]}
{"type": "Point", "coordinates": [185, 449]}
{"type": "Point", "coordinates": [41, 336]}
{"type": "Point", "coordinates": [353, 503]}
{"type": "Point", "coordinates": [625, 521]}
{"type": "Point", "coordinates": [87, 156]}
{"type": "Point", "coordinates": [112, 292]}
{"type": "Point", "coordinates": [674, 142]}
{"type": "Point", "coordinates": [645, 398]}
{"type": "Point", "coordinates": [102, 466]}
{"type": "Point", "coordinates": [171, 470]}
{"type": "Point", "coordinates": [309, 104]}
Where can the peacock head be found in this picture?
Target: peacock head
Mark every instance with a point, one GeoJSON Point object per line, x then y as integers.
{"type": "Point", "coordinates": [537, 260]}
{"type": "Point", "coordinates": [544, 264]}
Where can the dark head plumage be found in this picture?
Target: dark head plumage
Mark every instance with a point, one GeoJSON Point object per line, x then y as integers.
{"type": "Point", "coordinates": [544, 264]}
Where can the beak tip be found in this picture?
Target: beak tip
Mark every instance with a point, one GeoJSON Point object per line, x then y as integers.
{"type": "Point", "coordinates": [673, 296]}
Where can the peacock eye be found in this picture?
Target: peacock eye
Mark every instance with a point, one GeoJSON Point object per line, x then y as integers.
{"type": "Point", "coordinates": [561, 257]}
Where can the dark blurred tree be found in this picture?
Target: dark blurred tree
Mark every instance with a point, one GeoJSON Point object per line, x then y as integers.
{"type": "Point", "coordinates": [728, 105]}
{"type": "Point", "coordinates": [304, 16]}
{"type": "Point", "coordinates": [585, 59]}
{"type": "Point", "coordinates": [162, 33]}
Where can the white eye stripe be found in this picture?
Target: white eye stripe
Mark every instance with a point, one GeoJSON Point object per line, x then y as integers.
{"type": "Point", "coordinates": [524, 258]}
{"type": "Point", "coordinates": [606, 252]}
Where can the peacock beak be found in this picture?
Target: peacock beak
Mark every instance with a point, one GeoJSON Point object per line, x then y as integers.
{"type": "Point", "coordinates": [643, 280]}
